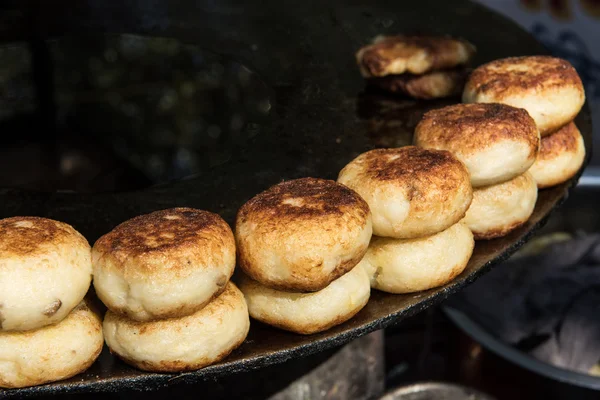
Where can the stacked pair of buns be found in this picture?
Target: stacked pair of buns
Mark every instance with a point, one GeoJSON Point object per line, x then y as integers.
{"type": "Point", "coordinates": [551, 91]}
{"type": "Point", "coordinates": [48, 332]}
{"type": "Point", "coordinates": [164, 278]}
{"type": "Point", "coordinates": [418, 198]}
{"type": "Point", "coordinates": [498, 144]}
{"type": "Point", "coordinates": [299, 244]}
{"type": "Point", "coordinates": [423, 67]}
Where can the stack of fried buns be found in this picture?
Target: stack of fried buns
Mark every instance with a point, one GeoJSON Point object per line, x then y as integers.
{"type": "Point", "coordinates": [164, 278]}
{"type": "Point", "coordinates": [498, 144]}
{"type": "Point", "coordinates": [551, 91]}
{"type": "Point", "coordinates": [48, 332]}
{"type": "Point", "coordinates": [299, 244]}
{"type": "Point", "coordinates": [418, 198]}
{"type": "Point", "coordinates": [422, 67]}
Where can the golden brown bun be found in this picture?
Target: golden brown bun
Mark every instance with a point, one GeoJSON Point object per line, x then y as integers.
{"type": "Point", "coordinates": [51, 353]}
{"type": "Point", "coordinates": [393, 55]}
{"type": "Point", "coordinates": [308, 313]}
{"type": "Point", "coordinates": [181, 344]}
{"type": "Point", "coordinates": [412, 265]}
{"type": "Point", "coordinates": [165, 264]}
{"type": "Point", "coordinates": [561, 156]}
{"type": "Point", "coordinates": [411, 191]}
{"type": "Point", "coordinates": [498, 209]}
{"type": "Point", "coordinates": [45, 271]}
{"type": "Point", "coordinates": [302, 234]}
{"type": "Point", "coordinates": [496, 142]}
{"type": "Point", "coordinates": [432, 85]}
{"type": "Point", "coordinates": [548, 88]}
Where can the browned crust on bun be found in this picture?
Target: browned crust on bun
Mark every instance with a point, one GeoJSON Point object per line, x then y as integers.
{"type": "Point", "coordinates": [563, 140]}
{"type": "Point", "coordinates": [513, 75]}
{"type": "Point", "coordinates": [405, 163]}
{"type": "Point", "coordinates": [175, 233]}
{"type": "Point", "coordinates": [549, 88]}
{"type": "Point", "coordinates": [164, 231]}
{"type": "Point", "coordinates": [468, 128]}
{"type": "Point", "coordinates": [561, 156]}
{"type": "Point", "coordinates": [303, 199]}
{"type": "Point", "coordinates": [26, 236]}
{"type": "Point", "coordinates": [390, 55]}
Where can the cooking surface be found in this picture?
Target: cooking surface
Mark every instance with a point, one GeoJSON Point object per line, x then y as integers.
{"type": "Point", "coordinates": [123, 112]}
{"type": "Point", "coordinates": [302, 53]}
{"type": "Point", "coordinates": [308, 117]}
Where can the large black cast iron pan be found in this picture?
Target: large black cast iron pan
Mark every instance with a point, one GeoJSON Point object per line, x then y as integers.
{"type": "Point", "coordinates": [307, 114]}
